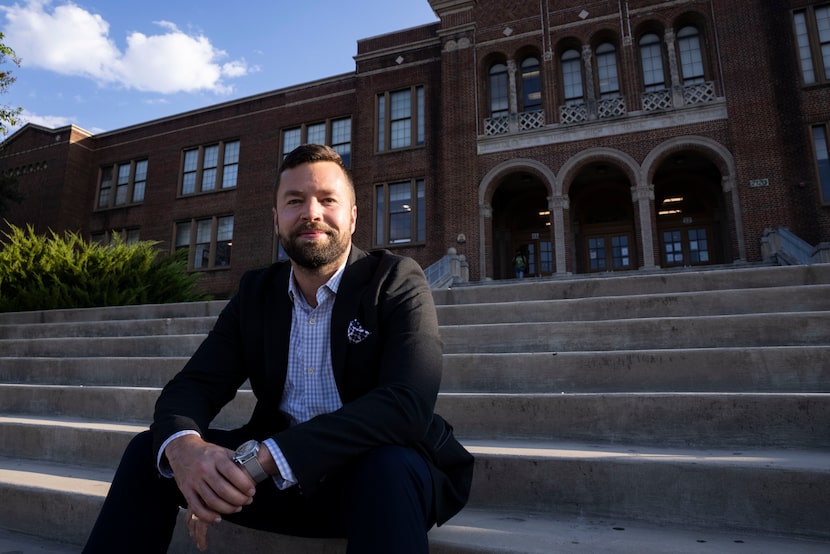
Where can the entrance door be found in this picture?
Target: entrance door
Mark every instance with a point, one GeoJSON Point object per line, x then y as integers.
{"type": "Point", "coordinates": [539, 254]}
{"type": "Point", "coordinates": [609, 252]}
{"type": "Point", "coordinates": [685, 247]}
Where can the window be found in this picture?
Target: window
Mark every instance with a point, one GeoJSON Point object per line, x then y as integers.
{"type": "Point", "coordinates": [691, 58]}
{"type": "Point", "coordinates": [400, 119]}
{"type": "Point", "coordinates": [822, 161]}
{"type": "Point", "coordinates": [499, 100]}
{"type": "Point", "coordinates": [336, 133]}
{"type": "Point", "coordinates": [812, 30]}
{"type": "Point", "coordinates": [129, 186]}
{"type": "Point", "coordinates": [400, 213]}
{"type": "Point", "coordinates": [608, 80]}
{"type": "Point", "coordinates": [572, 77]}
{"type": "Point", "coordinates": [128, 236]}
{"type": "Point", "coordinates": [651, 57]}
{"type": "Point", "coordinates": [208, 168]}
{"type": "Point", "coordinates": [209, 241]}
{"type": "Point", "coordinates": [531, 85]}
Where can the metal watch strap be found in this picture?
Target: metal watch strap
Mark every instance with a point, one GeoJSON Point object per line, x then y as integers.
{"type": "Point", "coordinates": [254, 469]}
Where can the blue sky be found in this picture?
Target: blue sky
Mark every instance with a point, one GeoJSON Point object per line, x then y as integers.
{"type": "Point", "coordinates": [107, 64]}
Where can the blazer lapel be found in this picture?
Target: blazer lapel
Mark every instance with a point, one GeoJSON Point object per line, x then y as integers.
{"type": "Point", "coordinates": [347, 308]}
{"type": "Point", "coordinates": [278, 313]}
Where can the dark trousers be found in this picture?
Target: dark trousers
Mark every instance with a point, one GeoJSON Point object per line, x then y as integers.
{"type": "Point", "coordinates": [381, 503]}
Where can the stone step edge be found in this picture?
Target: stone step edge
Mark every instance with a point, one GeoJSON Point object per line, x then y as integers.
{"type": "Point", "coordinates": [472, 530]}
{"type": "Point", "coordinates": [791, 459]}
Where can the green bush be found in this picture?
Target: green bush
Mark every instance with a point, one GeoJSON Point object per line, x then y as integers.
{"type": "Point", "coordinates": [48, 272]}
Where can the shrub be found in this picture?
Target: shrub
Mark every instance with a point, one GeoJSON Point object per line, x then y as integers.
{"type": "Point", "coordinates": [49, 272]}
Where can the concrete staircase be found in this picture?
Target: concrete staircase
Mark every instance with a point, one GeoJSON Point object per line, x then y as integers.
{"type": "Point", "coordinates": [670, 412]}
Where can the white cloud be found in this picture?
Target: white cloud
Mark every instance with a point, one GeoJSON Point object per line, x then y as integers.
{"type": "Point", "coordinates": [49, 121]}
{"type": "Point", "coordinates": [69, 40]}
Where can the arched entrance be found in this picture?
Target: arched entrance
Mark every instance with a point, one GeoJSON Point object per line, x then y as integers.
{"type": "Point", "coordinates": [521, 221]}
{"type": "Point", "coordinates": [603, 224]}
{"type": "Point", "coordinates": [691, 219]}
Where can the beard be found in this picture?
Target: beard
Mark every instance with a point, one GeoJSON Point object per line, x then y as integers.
{"type": "Point", "coordinates": [315, 254]}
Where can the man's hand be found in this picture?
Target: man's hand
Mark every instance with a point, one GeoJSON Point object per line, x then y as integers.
{"type": "Point", "coordinates": [211, 483]}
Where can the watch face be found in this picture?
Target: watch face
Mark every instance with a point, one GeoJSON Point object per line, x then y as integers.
{"type": "Point", "coordinates": [246, 447]}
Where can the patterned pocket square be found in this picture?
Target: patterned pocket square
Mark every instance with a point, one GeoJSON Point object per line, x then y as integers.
{"type": "Point", "coordinates": [356, 332]}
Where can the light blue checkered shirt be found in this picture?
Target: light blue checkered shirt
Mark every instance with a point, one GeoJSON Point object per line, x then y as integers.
{"type": "Point", "coordinates": [310, 388]}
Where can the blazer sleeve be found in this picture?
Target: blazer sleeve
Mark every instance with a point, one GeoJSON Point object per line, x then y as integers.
{"type": "Point", "coordinates": [388, 383]}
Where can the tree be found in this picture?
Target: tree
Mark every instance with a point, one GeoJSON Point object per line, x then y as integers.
{"type": "Point", "coordinates": [8, 115]}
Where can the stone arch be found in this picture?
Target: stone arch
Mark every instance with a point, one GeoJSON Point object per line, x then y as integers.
{"type": "Point", "coordinates": [487, 191]}
{"type": "Point", "coordinates": [723, 160]}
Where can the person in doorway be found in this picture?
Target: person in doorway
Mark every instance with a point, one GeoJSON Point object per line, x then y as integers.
{"type": "Point", "coordinates": [520, 263]}
{"type": "Point", "coordinates": [342, 352]}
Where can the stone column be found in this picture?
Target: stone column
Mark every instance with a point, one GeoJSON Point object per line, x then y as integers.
{"type": "Point", "coordinates": [513, 97]}
{"type": "Point", "coordinates": [643, 195]}
{"type": "Point", "coordinates": [485, 224]}
{"type": "Point", "coordinates": [674, 69]}
{"type": "Point", "coordinates": [557, 206]}
{"type": "Point", "coordinates": [590, 94]}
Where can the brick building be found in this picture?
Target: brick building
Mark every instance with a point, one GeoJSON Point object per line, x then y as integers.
{"type": "Point", "coordinates": [615, 135]}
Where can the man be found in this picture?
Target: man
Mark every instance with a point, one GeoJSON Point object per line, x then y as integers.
{"type": "Point", "coordinates": [342, 351]}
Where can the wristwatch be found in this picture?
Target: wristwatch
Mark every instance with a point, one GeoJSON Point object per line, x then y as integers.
{"type": "Point", "coordinates": [245, 456]}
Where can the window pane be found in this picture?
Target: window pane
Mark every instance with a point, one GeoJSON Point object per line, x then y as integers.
{"type": "Point", "coordinates": [191, 159]}
{"type": "Point", "coordinates": [231, 162]}
{"type": "Point", "coordinates": [224, 241]}
{"type": "Point", "coordinates": [691, 59]}
{"type": "Point", "coordinates": [400, 212]}
{"type": "Point", "coordinates": [106, 185]}
{"type": "Point", "coordinates": [209, 179]}
{"type": "Point", "coordinates": [400, 116]}
{"type": "Point", "coordinates": [341, 139]}
{"type": "Point", "coordinates": [421, 192]}
{"type": "Point", "coordinates": [140, 180]}
{"type": "Point", "coordinates": [804, 53]}
{"type": "Point", "coordinates": [290, 140]}
{"type": "Point", "coordinates": [572, 75]}
{"type": "Point", "coordinates": [183, 235]}
{"type": "Point", "coordinates": [609, 84]}
{"type": "Point", "coordinates": [122, 184]}
{"type": "Point", "coordinates": [822, 161]}
{"type": "Point", "coordinates": [531, 85]}
{"type": "Point", "coordinates": [202, 258]}
{"type": "Point", "coordinates": [499, 104]}
{"type": "Point", "coordinates": [698, 246]}
{"type": "Point", "coordinates": [380, 215]}
{"type": "Point", "coordinates": [381, 123]}
{"type": "Point", "coordinates": [823, 25]}
{"type": "Point", "coordinates": [420, 117]}
{"type": "Point", "coordinates": [596, 254]}
{"type": "Point", "coordinates": [652, 60]}
{"type": "Point", "coordinates": [211, 156]}
{"type": "Point", "coordinates": [316, 134]}
{"type": "Point", "coordinates": [672, 248]}
{"type": "Point", "coordinates": [621, 255]}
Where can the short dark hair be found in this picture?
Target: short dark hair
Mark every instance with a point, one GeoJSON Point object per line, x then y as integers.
{"type": "Point", "coordinates": [312, 153]}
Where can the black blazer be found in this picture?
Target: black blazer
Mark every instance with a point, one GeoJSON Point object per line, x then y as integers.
{"type": "Point", "coordinates": [388, 382]}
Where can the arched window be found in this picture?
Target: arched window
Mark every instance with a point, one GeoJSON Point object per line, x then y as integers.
{"type": "Point", "coordinates": [572, 77]}
{"type": "Point", "coordinates": [531, 85]}
{"type": "Point", "coordinates": [651, 56]}
{"type": "Point", "coordinates": [691, 57]}
{"type": "Point", "coordinates": [499, 99]}
{"type": "Point", "coordinates": [608, 82]}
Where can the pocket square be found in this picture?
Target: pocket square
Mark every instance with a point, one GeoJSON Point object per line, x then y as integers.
{"type": "Point", "coordinates": [356, 332]}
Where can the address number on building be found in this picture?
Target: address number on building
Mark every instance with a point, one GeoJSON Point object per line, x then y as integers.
{"type": "Point", "coordinates": [757, 183]}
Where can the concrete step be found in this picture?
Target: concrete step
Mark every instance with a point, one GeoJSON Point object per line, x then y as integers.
{"type": "Point", "coordinates": [745, 369]}
{"type": "Point", "coordinates": [785, 329]}
{"type": "Point", "coordinates": [121, 371]}
{"type": "Point", "coordinates": [587, 490]}
{"type": "Point", "coordinates": [711, 419]}
{"type": "Point", "coordinates": [635, 283]}
{"type": "Point", "coordinates": [116, 313]}
{"type": "Point", "coordinates": [687, 304]}
{"type": "Point", "coordinates": [755, 369]}
{"type": "Point", "coordinates": [116, 328]}
{"type": "Point", "coordinates": [73, 347]}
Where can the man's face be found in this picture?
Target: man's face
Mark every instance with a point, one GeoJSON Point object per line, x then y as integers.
{"type": "Point", "coordinates": [315, 215]}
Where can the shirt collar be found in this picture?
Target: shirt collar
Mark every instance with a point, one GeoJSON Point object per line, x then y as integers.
{"type": "Point", "coordinates": [332, 284]}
